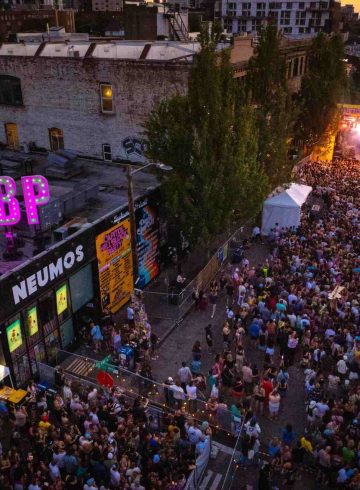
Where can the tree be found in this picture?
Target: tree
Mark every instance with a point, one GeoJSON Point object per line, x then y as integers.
{"type": "Point", "coordinates": [321, 88]}
{"type": "Point", "coordinates": [266, 86]}
{"type": "Point", "coordinates": [209, 138]}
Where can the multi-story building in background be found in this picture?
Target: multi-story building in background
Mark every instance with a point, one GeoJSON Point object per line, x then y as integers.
{"type": "Point", "coordinates": [291, 17]}
{"type": "Point", "coordinates": [348, 13]}
{"type": "Point", "coordinates": [13, 21]}
{"type": "Point", "coordinates": [107, 5]}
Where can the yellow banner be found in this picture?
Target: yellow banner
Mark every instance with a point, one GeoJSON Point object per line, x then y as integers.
{"type": "Point", "coordinates": [32, 321]}
{"type": "Point", "coordinates": [61, 299]}
{"type": "Point", "coordinates": [13, 333]}
{"type": "Point", "coordinates": [113, 251]}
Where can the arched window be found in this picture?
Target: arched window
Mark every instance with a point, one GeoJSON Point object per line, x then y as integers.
{"type": "Point", "coordinates": [10, 90]}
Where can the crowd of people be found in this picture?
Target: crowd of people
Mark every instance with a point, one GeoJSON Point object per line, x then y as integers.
{"type": "Point", "coordinates": [299, 309]}
{"type": "Point", "coordinates": [78, 438]}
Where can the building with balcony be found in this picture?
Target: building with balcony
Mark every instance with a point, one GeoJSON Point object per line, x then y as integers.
{"type": "Point", "coordinates": [291, 17]}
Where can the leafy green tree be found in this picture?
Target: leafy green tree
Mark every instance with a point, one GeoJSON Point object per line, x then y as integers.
{"type": "Point", "coordinates": [266, 86]}
{"type": "Point", "coordinates": [209, 137]}
{"type": "Point", "coordinates": [322, 87]}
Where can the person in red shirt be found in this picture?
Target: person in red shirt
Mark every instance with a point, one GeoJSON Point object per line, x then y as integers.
{"type": "Point", "coordinates": [268, 387]}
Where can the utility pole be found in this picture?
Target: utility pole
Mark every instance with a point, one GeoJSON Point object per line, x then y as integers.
{"type": "Point", "coordinates": [132, 218]}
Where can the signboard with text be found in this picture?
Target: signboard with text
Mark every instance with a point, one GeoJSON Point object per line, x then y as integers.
{"type": "Point", "coordinates": [113, 251]}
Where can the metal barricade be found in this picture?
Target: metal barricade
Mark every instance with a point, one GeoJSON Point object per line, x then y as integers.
{"type": "Point", "coordinates": [134, 385]}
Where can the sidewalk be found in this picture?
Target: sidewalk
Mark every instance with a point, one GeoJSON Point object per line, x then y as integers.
{"type": "Point", "coordinates": [163, 315]}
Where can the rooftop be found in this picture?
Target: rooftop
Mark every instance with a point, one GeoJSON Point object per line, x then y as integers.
{"type": "Point", "coordinates": [134, 50]}
{"type": "Point", "coordinates": [98, 190]}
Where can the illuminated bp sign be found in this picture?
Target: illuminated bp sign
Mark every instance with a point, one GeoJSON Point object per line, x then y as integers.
{"type": "Point", "coordinates": [36, 193]}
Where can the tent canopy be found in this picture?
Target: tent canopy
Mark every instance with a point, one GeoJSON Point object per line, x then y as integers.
{"type": "Point", "coordinates": [284, 208]}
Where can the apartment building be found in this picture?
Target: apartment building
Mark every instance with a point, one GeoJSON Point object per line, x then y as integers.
{"type": "Point", "coordinates": [291, 17]}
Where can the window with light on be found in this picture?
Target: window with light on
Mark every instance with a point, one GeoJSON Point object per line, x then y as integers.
{"type": "Point", "coordinates": [106, 94]}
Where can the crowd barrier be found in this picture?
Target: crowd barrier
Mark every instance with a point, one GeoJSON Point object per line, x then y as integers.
{"type": "Point", "coordinates": [173, 302]}
{"type": "Point", "coordinates": [133, 384]}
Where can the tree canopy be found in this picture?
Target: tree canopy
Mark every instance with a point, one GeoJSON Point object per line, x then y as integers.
{"type": "Point", "coordinates": [322, 87]}
{"type": "Point", "coordinates": [266, 85]}
{"type": "Point", "coordinates": [210, 139]}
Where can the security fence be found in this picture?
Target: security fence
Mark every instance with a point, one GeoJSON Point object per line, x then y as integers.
{"type": "Point", "coordinates": [172, 301]}
{"type": "Point", "coordinates": [133, 384]}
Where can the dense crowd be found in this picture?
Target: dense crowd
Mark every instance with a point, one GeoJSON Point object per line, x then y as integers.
{"type": "Point", "coordinates": [300, 309]}
{"type": "Point", "coordinates": [96, 439]}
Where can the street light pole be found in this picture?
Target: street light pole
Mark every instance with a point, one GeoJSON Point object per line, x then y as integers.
{"type": "Point", "coordinates": [131, 206]}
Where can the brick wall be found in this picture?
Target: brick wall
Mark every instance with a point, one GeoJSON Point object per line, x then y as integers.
{"type": "Point", "coordinates": [64, 93]}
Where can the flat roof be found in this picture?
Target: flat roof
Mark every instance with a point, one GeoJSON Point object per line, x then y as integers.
{"type": "Point", "coordinates": [134, 50]}
{"type": "Point", "coordinates": [111, 195]}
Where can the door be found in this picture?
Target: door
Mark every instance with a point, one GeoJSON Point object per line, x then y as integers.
{"type": "Point", "coordinates": [56, 138]}
{"type": "Point", "coordinates": [12, 136]}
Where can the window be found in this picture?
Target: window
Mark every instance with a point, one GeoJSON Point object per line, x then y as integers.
{"type": "Point", "coordinates": [287, 30]}
{"type": "Point", "coordinates": [106, 95]}
{"type": "Point", "coordinates": [256, 25]}
{"type": "Point", "coordinates": [296, 67]}
{"type": "Point", "coordinates": [300, 18]}
{"type": "Point", "coordinates": [323, 5]}
{"type": "Point", "coordinates": [289, 5]}
{"type": "Point", "coordinates": [231, 9]}
{"type": "Point", "coordinates": [81, 287]}
{"type": "Point", "coordinates": [260, 9]}
{"type": "Point", "coordinates": [274, 16]}
{"type": "Point", "coordinates": [10, 91]}
{"type": "Point", "coordinates": [242, 25]}
{"type": "Point", "coordinates": [12, 136]}
{"type": "Point", "coordinates": [56, 138]}
{"type": "Point", "coordinates": [301, 5]}
{"type": "Point", "coordinates": [106, 149]}
{"type": "Point", "coordinates": [246, 9]}
{"type": "Point", "coordinates": [275, 6]}
{"type": "Point", "coordinates": [47, 313]}
{"type": "Point", "coordinates": [285, 17]}
{"type": "Point", "coordinates": [67, 333]}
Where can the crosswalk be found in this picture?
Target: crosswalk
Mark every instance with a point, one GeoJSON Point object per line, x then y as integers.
{"type": "Point", "coordinates": [80, 367]}
{"type": "Point", "coordinates": [215, 474]}
{"type": "Point", "coordinates": [211, 481]}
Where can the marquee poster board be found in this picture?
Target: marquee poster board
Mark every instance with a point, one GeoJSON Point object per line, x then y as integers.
{"type": "Point", "coordinates": [147, 244]}
{"type": "Point", "coordinates": [113, 251]}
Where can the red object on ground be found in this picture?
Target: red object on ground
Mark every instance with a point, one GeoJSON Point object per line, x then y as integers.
{"type": "Point", "coordinates": [105, 379]}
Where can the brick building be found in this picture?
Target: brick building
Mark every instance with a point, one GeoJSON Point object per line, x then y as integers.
{"type": "Point", "coordinates": [89, 97]}
{"type": "Point", "coordinates": [14, 21]}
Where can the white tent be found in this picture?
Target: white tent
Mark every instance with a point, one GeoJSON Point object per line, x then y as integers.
{"type": "Point", "coordinates": [284, 208]}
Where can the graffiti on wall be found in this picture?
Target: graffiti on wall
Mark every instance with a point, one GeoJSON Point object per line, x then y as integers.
{"type": "Point", "coordinates": [134, 148]}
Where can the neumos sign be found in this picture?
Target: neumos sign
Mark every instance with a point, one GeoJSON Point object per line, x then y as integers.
{"type": "Point", "coordinates": [47, 274]}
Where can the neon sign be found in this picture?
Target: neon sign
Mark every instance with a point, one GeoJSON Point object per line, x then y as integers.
{"type": "Point", "coordinates": [36, 193]}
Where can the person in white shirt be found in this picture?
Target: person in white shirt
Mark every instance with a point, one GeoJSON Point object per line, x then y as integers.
{"type": "Point", "coordinates": [342, 368]}
{"type": "Point", "coordinates": [115, 476]}
{"type": "Point", "coordinates": [191, 392]}
{"type": "Point", "coordinates": [321, 408]}
{"type": "Point", "coordinates": [194, 434]}
{"type": "Point", "coordinates": [185, 375]}
{"type": "Point", "coordinates": [179, 394]}
{"type": "Point", "coordinates": [54, 470]}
